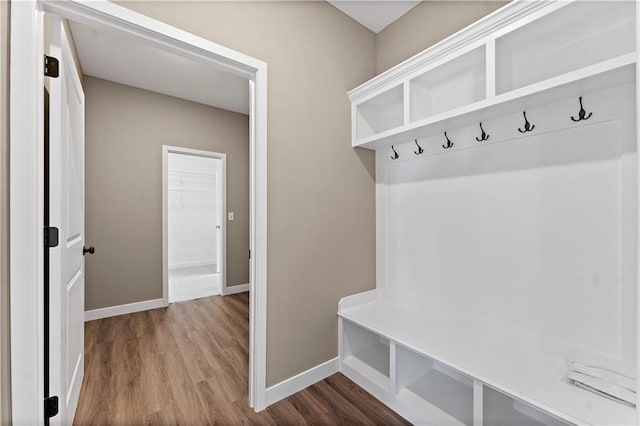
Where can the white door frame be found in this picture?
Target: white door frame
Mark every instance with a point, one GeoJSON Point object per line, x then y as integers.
{"type": "Point", "coordinates": [220, 195]}
{"type": "Point", "coordinates": [26, 181]}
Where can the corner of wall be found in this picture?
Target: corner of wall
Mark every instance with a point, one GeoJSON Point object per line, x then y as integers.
{"type": "Point", "coordinates": [425, 25]}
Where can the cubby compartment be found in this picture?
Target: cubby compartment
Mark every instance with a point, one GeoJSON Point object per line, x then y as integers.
{"type": "Point", "coordinates": [380, 113]}
{"type": "Point", "coordinates": [366, 353]}
{"type": "Point", "coordinates": [575, 36]}
{"type": "Point", "coordinates": [459, 82]}
{"type": "Point", "coordinates": [439, 394]}
{"type": "Point", "coordinates": [501, 410]}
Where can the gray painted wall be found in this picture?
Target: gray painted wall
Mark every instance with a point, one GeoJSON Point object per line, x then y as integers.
{"type": "Point", "coordinates": [125, 130]}
{"type": "Point", "coordinates": [321, 218]}
{"type": "Point", "coordinates": [425, 25]}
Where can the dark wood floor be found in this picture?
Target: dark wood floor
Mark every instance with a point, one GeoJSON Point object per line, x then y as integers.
{"type": "Point", "coordinates": [188, 364]}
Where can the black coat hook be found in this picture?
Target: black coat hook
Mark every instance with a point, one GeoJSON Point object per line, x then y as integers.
{"type": "Point", "coordinates": [420, 150]}
{"type": "Point", "coordinates": [527, 126]}
{"type": "Point", "coordinates": [449, 143]}
{"type": "Point", "coordinates": [484, 135]}
{"type": "Point", "coordinates": [582, 114]}
{"type": "Point", "coordinates": [395, 155]}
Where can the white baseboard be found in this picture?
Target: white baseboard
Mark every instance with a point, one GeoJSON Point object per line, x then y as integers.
{"type": "Point", "coordinates": [198, 293]}
{"type": "Point", "coordinates": [129, 308]}
{"type": "Point", "coordinates": [240, 288]}
{"type": "Point", "coordinates": [301, 381]}
{"type": "Point", "coordinates": [191, 264]}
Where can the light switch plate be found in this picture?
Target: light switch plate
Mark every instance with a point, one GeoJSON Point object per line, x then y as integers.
{"type": "Point", "coordinates": [230, 216]}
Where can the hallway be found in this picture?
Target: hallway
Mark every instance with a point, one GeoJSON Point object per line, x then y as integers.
{"type": "Point", "coordinates": [188, 364]}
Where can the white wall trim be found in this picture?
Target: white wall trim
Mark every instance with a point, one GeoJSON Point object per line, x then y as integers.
{"type": "Point", "coordinates": [301, 381]}
{"type": "Point", "coordinates": [26, 188]}
{"type": "Point", "coordinates": [26, 195]}
{"type": "Point", "coordinates": [637, 301]}
{"type": "Point", "coordinates": [129, 308]}
{"type": "Point", "coordinates": [240, 288]}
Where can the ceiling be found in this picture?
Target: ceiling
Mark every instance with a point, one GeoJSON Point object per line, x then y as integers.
{"type": "Point", "coordinates": [128, 60]}
{"type": "Point", "coordinates": [375, 14]}
{"type": "Point", "coordinates": [125, 59]}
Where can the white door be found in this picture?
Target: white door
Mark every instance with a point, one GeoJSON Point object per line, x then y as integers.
{"type": "Point", "coordinates": [66, 172]}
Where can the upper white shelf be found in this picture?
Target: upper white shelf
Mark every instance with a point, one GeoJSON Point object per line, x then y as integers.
{"type": "Point", "coordinates": [610, 73]}
{"type": "Point", "coordinates": [569, 39]}
{"type": "Point", "coordinates": [456, 83]}
{"type": "Point", "coordinates": [382, 113]}
{"type": "Point", "coordinates": [563, 49]}
{"type": "Point", "coordinates": [522, 373]}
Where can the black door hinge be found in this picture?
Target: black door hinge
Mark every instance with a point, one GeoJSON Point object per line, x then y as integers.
{"type": "Point", "coordinates": [51, 236]}
{"type": "Point", "coordinates": [249, 254]}
{"type": "Point", "coordinates": [51, 67]}
{"type": "Point", "coordinates": [50, 406]}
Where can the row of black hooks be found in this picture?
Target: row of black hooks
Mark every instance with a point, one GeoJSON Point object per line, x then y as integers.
{"type": "Point", "coordinates": [527, 127]}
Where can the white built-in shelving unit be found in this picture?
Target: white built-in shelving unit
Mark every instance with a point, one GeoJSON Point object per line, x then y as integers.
{"type": "Point", "coordinates": [191, 189]}
{"type": "Point", "coordinates": [501, 260]}
{"type": "Point", "coordinates": [526, 63]}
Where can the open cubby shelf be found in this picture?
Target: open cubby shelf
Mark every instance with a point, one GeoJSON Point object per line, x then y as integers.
{"type": "Point", "coordinates": [376, 356]}
{"type": "Point", "coordinates": [456, 83]}
{"type": "Point", "coordinates": [443, 395]}
{"type": "Point", "coordinates": [499, 409]}
{"type": "Point", "coordinates": [443, 400]}
{"type": "Point", "coordinates": [547, 48]}
{"type": "Point", "coordinates": [438, 362]}
{"type": "Point", "coordinates": [573, 46]}
{"type": "Point", "coordinates": [382, 113]}
{"type": "Point", "coordinates": [607, 74]}
{"type": "Point", "coordinates": [368, 354]}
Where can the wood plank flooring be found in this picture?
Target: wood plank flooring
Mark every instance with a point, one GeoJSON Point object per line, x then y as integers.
{"type": "Point", "coordinates": [188, 364]}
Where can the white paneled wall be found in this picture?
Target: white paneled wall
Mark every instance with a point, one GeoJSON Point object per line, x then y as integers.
{"type": "Point", "coordinates": [523, 235]}
{"type": "Point", "coordinates": [193, 217]}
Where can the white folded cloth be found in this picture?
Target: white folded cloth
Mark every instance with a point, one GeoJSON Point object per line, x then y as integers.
{"type": "Point", "coordinates": [604, 382]}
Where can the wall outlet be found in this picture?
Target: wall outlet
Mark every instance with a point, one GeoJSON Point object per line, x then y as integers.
{"type": "Point", "coordinates": [230, 216]}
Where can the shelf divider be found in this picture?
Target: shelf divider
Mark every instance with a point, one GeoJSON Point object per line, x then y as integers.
{"type": "Point", "coordinates": [407, 102]}
{"type": "Point", "coordinates": [478, 415]}
{"type": "Point", "coordinates": [393, 368]}
{"type": "Point", "coordinates": [490, 72]}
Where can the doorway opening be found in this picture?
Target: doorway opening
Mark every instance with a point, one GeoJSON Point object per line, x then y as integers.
{"type": "Point", "coordinates": [27, 183]}
{"type": "Point", "coordinates": [194, 198]}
